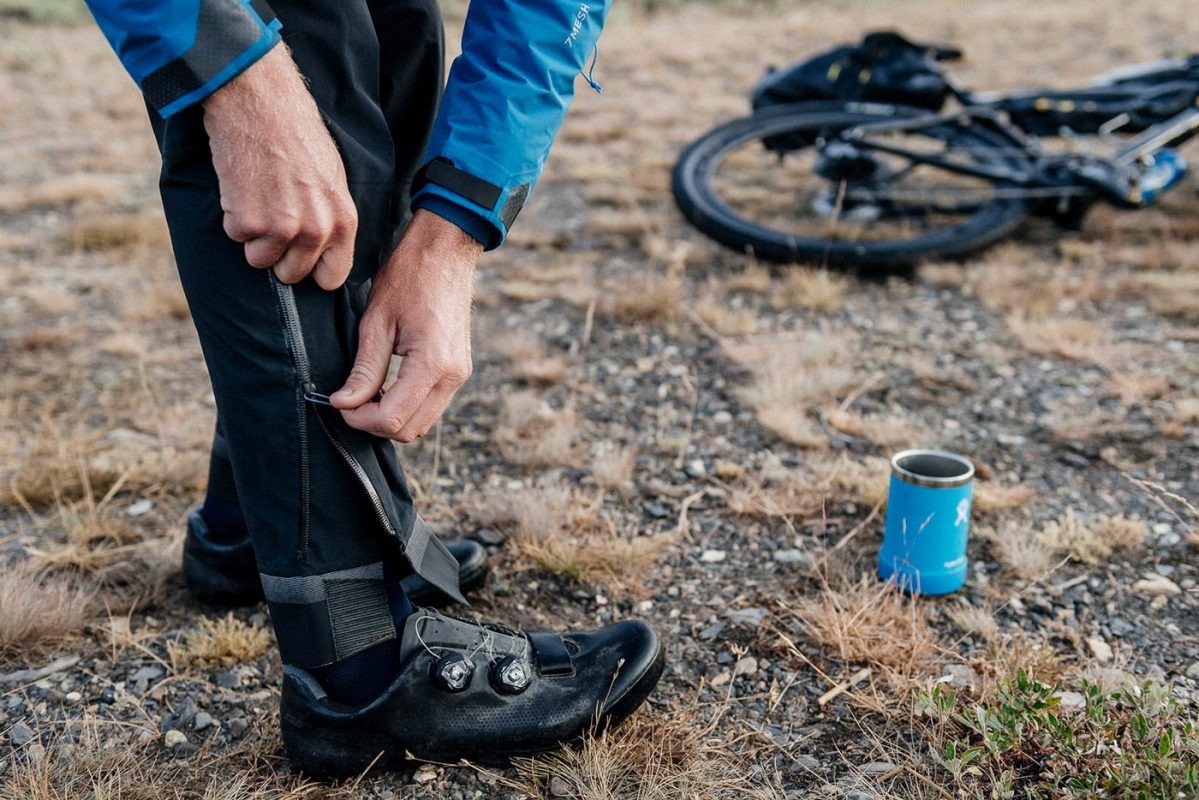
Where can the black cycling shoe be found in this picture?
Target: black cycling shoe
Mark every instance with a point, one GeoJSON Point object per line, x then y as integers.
{"type": "Point", "coordinates": [222, 574]}
{"type": "Point", "coordinates": [480, 692]}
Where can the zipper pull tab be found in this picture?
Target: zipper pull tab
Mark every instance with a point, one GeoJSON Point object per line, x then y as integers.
{"type": "Point", "coordinates": [311, 395]}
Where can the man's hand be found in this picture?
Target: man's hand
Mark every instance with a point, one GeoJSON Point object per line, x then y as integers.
{"type": "Point", "coordinates": [282, 183]}
{"type": "Point", "coordinates": [419, 308]}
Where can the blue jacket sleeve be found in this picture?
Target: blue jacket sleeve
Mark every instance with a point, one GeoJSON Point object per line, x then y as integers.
{"type": "Point", "coordinates": [181, 51]}
{"type": "Point", "coordinates": [504, 102]}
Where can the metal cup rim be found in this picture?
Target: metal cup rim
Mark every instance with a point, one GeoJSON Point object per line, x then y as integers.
{"type": "Point", "coordinates": [907, 476]}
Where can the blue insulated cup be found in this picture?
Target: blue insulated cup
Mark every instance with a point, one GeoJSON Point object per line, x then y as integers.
{"type": "Point", "coordinates": [928, 519]}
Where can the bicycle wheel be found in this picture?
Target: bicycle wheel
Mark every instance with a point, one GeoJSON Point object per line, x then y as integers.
{"type": "Point", "coordinates": [830, 202]}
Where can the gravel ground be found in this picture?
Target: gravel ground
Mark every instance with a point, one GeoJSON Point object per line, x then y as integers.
{"type": "Point", "coordinates": [1093, 427]}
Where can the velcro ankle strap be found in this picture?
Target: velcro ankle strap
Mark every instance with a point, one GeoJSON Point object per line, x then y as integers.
{"type": "Point", "coordinates": [552, 656]}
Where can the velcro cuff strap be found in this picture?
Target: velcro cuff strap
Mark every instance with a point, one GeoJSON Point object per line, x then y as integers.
{"type": "Point", "coordinates": [442, 172]}
{"type": "Point", "coordinates": [552, 655]}
{"type": "Point", "coordinates": [319, 619]}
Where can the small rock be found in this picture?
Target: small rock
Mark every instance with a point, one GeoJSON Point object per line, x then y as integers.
{"type": "Point", "coordinates": [237, 727]}
{"type": "Point", "coordinates": [746, 666]}
{"type": "Point", "coordinates": [1120, 627]}
{"type": "Point", "coordinates": [203, 721]}
{"type": "Point", "coordinates": [753, 617]}
{"type": "Point", "coordinates": [959, 676]}
{"type": "Point", "coordinates": [712, 556]}
{"type": "Point", "coordinates": [657, 511]}
{"type": "Point", "coordinates": [1193, 671]}
{"type": "Point", "coordinates": [139, 508]}
{"type": "Point", "coordinates": [560, 788]}
{"type": "Point", "coordinates": [645, 606]}
{"type": "Point", "coordinates": [151, 672]}
{"type": "Point", "coordinates": [1155, 585]}
{"type": "Point", "coordinates": [807, 762]}
{"type": "Point", "coordinates": [20, 734]}
{"type": "Point", "coordinates": [489, 536]}
{"type": "Point", "coordinates": [711, 632]}
{"type": "Point", "coordinates": [722, 418]}
{"type": "Point", "coordinates": [426, 773]}
{"type": "Point", "coordinates": [229, 680]}
{"type": "Point", "coordinates": [173, 738]}
{"type": "Point", "coordinates": [721, 679]}
{"type": "Point", "coordinates": [73, 697]}
{"type": "Point", "coordinates": [878, 768]}
{"type": "Point", "coordinates": [1071, 701]}
{"type": "Point", "coordinates": [695, 468]}
{"type": "Point", "coordinates": [35, 752]}
{"type": "Point", "coordinates": [789, 556]}
{"type": "Point", "coordinates": [1099, 648]}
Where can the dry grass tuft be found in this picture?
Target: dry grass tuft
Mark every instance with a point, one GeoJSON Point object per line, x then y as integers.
{"type": "Point", "coordinates": [561, 531]}
{"type": "Point", "coordinates": [1096, 540]}
{"type": "Point", "coordinates": [975, 620]}
{"type": "Point", "coordinates": [870, 623]}
{"type": "Point", "coordinates": [813, 289]}
{"type": "Point", "coordinates": [883, 430]}
{"type": "Point", "coordinates": [612, 466]}
{"type": "Point", "coordinates": [59, 192]}
{"type": "Point", "coordinates": [645, 297]}
{"type": "Point", "coordinates": [533, 434]}
{"type": "Point", "coordinates": [528, 359]}
{"type": "Point", "coordinates": [992, 497]}
{"type": "Point", "coordinates": [790, 375]}
{"type": "Point", "coordinates": [1069, 337]}
{"type": "Point", "coordinates": [218, 642]}
{"type": "Point", "coordinates": [788, 494]}
{"type": "Point", "coordinates": [649, 758]}
{"type": "Point", "coordinates": [864, 481]}
{"type": "Point", "coordinates": [1020, 549]}
{"type": "Point", "coordinates": [724, 316]}
{"type": "Point", "coordinates": [36, 609]}
{"type": "Point", "coordinates": [118, 233]}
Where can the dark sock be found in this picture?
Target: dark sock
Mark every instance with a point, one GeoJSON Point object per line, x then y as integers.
{"type": "Point", "coordinates": [364, 675]}
{"type": "Point", "coordinates": [225, 521]}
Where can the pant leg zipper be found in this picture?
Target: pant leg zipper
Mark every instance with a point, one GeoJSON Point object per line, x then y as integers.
{"type": "Point", "coordinates": [309, 395]}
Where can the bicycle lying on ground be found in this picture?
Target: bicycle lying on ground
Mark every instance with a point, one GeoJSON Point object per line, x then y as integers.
{"type": "Point", "coordinates": [865, 179]}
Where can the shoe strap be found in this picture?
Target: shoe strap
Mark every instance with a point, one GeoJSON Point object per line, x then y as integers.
{"type": "Point", "coordinates": [552, 656]}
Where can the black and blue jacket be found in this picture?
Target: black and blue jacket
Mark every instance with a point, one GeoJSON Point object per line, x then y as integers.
{"type": "Point", "coordinates": [504, 102]}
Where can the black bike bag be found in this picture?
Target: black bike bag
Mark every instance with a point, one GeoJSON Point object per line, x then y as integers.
{"type": "Point", "coordinates": [885, 68]}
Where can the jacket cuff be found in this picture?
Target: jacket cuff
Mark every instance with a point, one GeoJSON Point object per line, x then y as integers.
{"type": "Point", "coordinates": [474, 224]}
{"type": "Point", "coordinates": [247, 29]}
{"type": "Point", "coordinates": [483, 209]}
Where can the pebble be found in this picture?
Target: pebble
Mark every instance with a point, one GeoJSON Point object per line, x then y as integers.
{"type": "Point", "coordinates": [807, 762]}
{"type": "Point", "coordinates": [1156, 585]}
{"type": "Point", "coordinates": [173, 738]}
{"type": "Point", "coordinates": [560, 788]}
{"type": "Point", "coordinates": [959, 676]}
{"type": "Point", "coordinates": [237, 727]}
{"type": "Point", "coordinates": [721, 679]}
{"type": "Point", "coordinates": [426, 773]}
{"type": "Point", "coordinates": [878, 768]}
{"type": "Point", "coordinates": [35, 752]}
{"type": "Point", "coordinates": [1071, 701]}
{"type": "Point", "coordinates": [139, 508]}
{"type": "Point", "coordinates": [746, 666]}
{"type": "Point", "coordinates": [1193, 671]}
{"type": "Point", "coordinates": [712, 556]}
{"type": "Point", "coordinates": [790, 556]}
{"type": "Point", "coordinates": [657, 511]}
{"type": "Point", "coordinates": [752, 617]}
{"type": "Point", "coordinates": [20, 734]}
{"type": "Point", "coordinates": [73, 697]}
{"type": "Point", "coordinates": [203, 721]}
{"type": "Point", "coordinates": [695, 468]}
{"type": "Point", "coordinates": [1100, 649]}
{"type": "Point", "coordinates": [151, 672]}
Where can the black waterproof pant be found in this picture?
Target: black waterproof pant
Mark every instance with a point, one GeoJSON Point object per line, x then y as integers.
{"type": "Point", "coordinates": [326, 505]}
